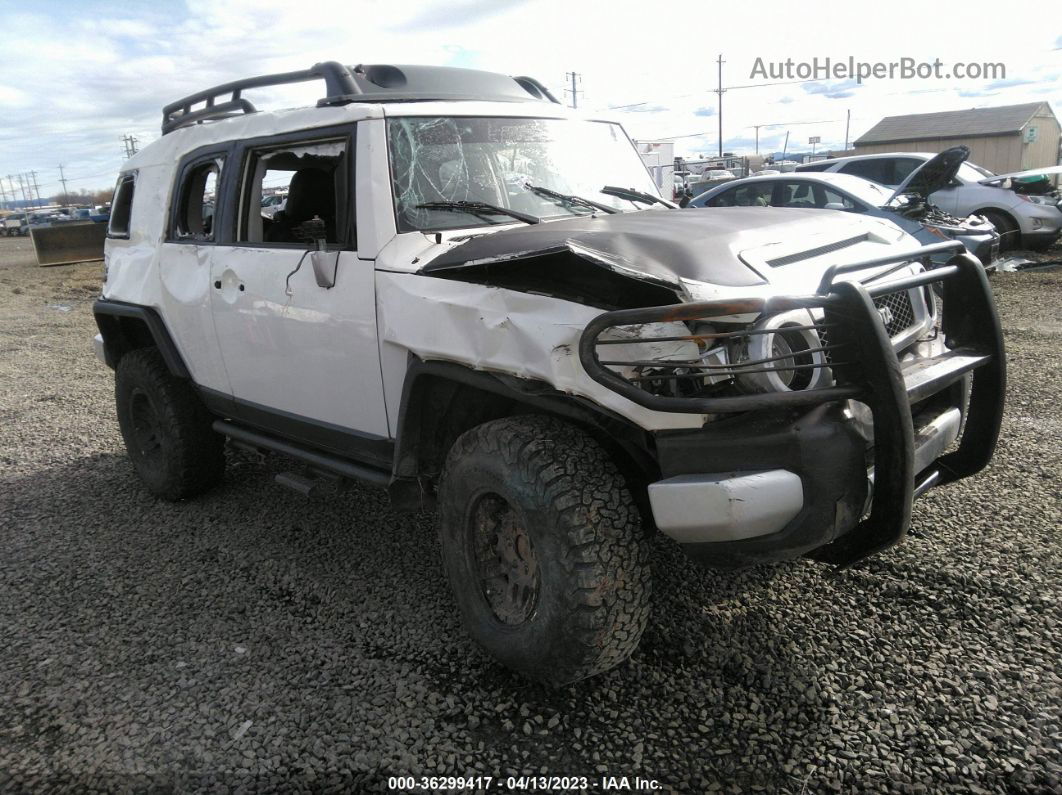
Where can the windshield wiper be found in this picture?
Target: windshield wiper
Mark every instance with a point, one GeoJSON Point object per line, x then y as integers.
{"type": "Point", "coordinates": [630, 194]}
{"type": "Point", "coordinates": [569, 198]}
{"type": "Point", "coordinates": [480, 209]}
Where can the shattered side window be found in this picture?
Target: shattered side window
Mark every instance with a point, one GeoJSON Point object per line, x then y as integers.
{"type": "Point", "coordinates": [493, 160]}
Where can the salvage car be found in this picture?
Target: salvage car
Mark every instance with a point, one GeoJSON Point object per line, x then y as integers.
{"type": "Point", "coordinates": [907, 206]}
{"type": "Point", "coordinates": [15, 224]}
{"type": "Point", "coordinates": [477, 299]}
{"type": "Point", "coordinates": [1025, 219]}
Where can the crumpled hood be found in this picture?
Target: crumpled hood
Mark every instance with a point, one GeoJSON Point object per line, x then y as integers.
{"type": "Point", "coordinates": [726, 247]}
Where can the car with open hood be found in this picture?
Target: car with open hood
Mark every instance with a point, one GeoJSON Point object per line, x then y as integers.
{"type": "Point", "coordinates": [476, 299]}
{"type": "Point", "coordinates": [1026, 215]}
{"type": "Point", "coordinates": [907, 206]}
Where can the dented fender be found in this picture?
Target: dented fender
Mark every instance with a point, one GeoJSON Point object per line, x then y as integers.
{"type": "Point", "coordinates": [496, 330]}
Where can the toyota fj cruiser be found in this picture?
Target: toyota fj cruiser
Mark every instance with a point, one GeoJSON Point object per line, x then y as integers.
{"type": "Point", "coordinates": [477, 299]}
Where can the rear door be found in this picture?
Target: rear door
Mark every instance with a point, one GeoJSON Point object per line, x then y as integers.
{"type": "Point", "coordinates": [294, 307]}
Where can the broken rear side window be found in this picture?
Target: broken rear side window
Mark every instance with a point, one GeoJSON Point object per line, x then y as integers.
{"type": "Point", "coordinates": [121, 206]}
{"type": "Point", "coordinates": [196, 202]}
{"type": "Point", "coordinates": [493, 160]}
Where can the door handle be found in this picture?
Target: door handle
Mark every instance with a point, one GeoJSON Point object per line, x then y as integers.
{"type": "Point", "coordinates": [217, 284]}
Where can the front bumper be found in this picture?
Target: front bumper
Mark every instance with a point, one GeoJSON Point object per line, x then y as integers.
{"type": "Point", "coordinates": [915, 407]}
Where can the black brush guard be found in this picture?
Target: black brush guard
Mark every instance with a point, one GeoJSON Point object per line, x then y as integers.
{"type": "Point", "coordinates": [870, 372]}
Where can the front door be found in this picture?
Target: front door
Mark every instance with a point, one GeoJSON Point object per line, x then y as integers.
{"type": "Point", "coordinates": [299, 343]}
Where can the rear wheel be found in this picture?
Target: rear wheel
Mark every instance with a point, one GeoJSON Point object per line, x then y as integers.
{"type": "Point", "coordinates": [543, 548]}
{"type": "Point", "coordinates": [166, 428]}
{"type": "Point", "coordinates": [1009, 235]}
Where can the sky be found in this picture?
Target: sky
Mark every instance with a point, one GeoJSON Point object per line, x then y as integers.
{"type": "Point", "coordinates": [78, 76]}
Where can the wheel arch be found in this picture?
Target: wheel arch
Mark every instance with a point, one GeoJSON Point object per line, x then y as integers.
{"type": "Point", "coordinates": [993, 210]}
{"type": "Point", "coordinates": [127, 327]}
{"type": "Point", "coordinates": [442, 400]}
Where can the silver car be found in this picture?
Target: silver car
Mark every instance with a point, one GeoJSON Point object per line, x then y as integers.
{"type": "Point", "coordinates": [1022, 218]}
{"type": "Point", "coordinates": [906, 206]}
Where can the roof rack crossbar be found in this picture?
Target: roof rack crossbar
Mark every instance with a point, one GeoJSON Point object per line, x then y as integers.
{"type": "Point", "coordinates": [340, 88]}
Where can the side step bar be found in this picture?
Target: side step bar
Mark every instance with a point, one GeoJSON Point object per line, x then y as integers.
{"type": "Point", "coordinates": [315, 458]}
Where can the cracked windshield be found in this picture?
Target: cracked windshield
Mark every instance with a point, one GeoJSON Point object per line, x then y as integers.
{"type": "Point", "coordinates": [513, 165]}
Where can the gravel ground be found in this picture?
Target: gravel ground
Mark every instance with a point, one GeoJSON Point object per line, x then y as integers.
{"type": "Point", "coordinates": [253, 638]}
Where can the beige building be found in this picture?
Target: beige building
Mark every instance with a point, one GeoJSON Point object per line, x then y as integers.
{"type": "Point", "coordinates": [1004, 139]}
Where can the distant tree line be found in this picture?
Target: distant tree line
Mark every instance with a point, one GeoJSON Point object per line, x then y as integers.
{"type": "Point", "coordinates": [91, 197]}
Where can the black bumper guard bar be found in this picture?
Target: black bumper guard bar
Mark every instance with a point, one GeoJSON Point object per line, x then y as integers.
{"type": "Point", "coordinates": [869, 371]}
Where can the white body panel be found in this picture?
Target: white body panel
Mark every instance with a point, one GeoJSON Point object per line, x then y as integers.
{"type": "Point", "coordinates": [186, 304]}
{"type": "Point", "coordinates": [312, 353]}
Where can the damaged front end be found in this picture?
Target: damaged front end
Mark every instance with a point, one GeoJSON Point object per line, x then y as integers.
{"type": "Point", "coordinates": [829, 416]}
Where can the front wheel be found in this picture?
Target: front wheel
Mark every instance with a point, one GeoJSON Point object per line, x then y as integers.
{"type": "Point", "coordinates": [543, 547]}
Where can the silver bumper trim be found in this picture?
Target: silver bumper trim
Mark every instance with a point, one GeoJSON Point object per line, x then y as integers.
{"type": "Point", "coordinates": [731, 506]}
{"type": "Point", "coordinates": [97, 346]}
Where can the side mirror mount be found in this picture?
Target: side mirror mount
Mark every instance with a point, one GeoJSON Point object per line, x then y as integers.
{"type": "Point", "coordinates": [325, 265]}
{"type": "Point", "coordinates": [835, 206]}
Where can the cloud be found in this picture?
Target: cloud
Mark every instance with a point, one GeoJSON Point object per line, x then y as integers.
{"type": "Point", "coordinates": [76, 82]}
{"type": "Point", "coordinates": [1010, 83]}
{"type": "Point", "coordinates": [976, 92]}
{"type": "Point", "coordinates": [453, 14]}
{"type": "Point", "coordinates": [835, 90]}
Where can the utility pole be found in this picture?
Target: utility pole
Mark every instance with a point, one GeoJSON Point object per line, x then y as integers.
{"type": "Point", "coordinates": [574, 77]}
{"type": "Point", "coordinates": [785, 146]}
{"type": "Point", "coordinates": [62, 178]}
{"type": "Point", "coordinates": [22, 187]}
{"type": "Point", "coordinates": [36, 187]}
{"type": "Point", "coordinates": [130, 145]}
{"type": "Point", "coordinates": [847, 122]}
{"type": "Point", "coordinates": [757, 126]}
{"type": "Point", "coordinates": [719, 90]}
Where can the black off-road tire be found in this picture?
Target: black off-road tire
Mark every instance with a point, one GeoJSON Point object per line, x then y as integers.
{"type": "Point", "coordinates": [166, 428]}
{"type": "Point", "coordinates": [575, 520]}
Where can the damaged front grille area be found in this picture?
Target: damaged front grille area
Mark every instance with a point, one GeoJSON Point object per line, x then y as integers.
{"type": "Point", "coordinates": [721, 356]}
{"type": "Point", "coordinates": [896, 310]}
{"type": "Point", "coordinates": [702, 359]}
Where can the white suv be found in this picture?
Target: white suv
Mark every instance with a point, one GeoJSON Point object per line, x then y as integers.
{"type": "Point", "coordinates": [1022, 218]}
{"type": "Point", "coordinates": [475, 298]}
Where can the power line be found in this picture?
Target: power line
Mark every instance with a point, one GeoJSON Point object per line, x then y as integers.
{"type": "Point", "coordinates": [710, 91]}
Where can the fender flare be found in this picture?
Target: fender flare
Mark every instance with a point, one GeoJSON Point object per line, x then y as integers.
{"type": "Point", "coordinates": [420, 423]}
{"type": "Point", "coordinates": [112, 320]}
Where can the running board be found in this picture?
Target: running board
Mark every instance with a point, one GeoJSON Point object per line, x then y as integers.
{"type": "Point", "coordinates": [315, 458]}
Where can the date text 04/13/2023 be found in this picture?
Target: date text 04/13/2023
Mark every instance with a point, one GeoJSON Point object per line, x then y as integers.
{"type": "Point", "coordinates": [524, 783]}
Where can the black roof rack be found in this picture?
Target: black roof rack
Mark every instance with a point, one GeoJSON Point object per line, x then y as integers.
{"type": "Point", "coordinates": [363, 83]}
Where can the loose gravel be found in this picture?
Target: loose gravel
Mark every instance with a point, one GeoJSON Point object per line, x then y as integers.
{"type": "Point", "coordinates": [254, 639]}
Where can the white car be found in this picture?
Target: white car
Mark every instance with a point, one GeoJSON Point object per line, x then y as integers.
{"type": "Point", "coordinates": [1028, 220]}
{"type": "Point", "coordinates": [561, 364]}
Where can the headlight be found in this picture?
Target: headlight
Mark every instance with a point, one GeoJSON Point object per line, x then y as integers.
{"type": "Point", "coordinates": [1036, 199]}
{"type": "Point", "coordinates": [781, 354]}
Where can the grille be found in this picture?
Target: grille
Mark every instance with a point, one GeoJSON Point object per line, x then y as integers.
{"type": "Point", "coordinates": [896, 311]}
